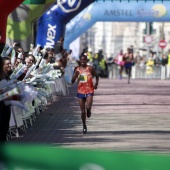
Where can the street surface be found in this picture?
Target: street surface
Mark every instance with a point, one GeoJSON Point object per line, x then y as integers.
{"type": "Point", "coordinates": [125, 117]}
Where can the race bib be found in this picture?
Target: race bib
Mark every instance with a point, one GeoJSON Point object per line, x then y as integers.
{"type": "Point", "coordinates": [83, 78]}
{"type": "Point", "coordinates": [120, 58]}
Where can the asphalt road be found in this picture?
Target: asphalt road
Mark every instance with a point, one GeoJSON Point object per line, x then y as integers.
{"type": "Point", "coordinates": [125, 117]}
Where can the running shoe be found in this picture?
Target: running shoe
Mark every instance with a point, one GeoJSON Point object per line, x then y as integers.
{"type": "Point", "coordinates": [88, 113]}
{"type": "Point", "coordinates": [84, 129]}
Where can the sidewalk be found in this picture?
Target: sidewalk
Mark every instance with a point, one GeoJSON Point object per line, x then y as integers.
{"type": "Point", "coordinates": [125, 117]}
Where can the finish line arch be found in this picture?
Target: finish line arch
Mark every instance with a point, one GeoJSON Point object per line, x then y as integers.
{"type": "Point", "coordinates": [52, 25]}
{"type": "Point", "coordinates": [114, 12]}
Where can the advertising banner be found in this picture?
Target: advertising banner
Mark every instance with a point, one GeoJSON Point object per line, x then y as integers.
{"type": "Point", "coordinates": [51, 25]}
{"type": "Point", "coordinates": [132, 11]}
{"type": "Point", "coordinates": [124, 11]}
{"type": "Point", "coordinates": [78, 25]}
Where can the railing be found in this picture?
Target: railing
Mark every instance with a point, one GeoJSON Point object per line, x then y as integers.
{"type": "Point", "coordinates": [141, 72]}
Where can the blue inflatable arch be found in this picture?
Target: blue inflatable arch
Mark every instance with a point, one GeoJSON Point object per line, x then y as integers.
{"type": "Point", "coordinates": [52, 24]}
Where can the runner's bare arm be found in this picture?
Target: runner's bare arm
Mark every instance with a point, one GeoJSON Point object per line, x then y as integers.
{"type": "Point", "coordinates": [75, 75]}
{"type": "Point", "coordinates": [93, 71]}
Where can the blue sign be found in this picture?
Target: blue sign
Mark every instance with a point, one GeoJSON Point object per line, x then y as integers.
{"type": "Point", "coordinates": [132, 11]}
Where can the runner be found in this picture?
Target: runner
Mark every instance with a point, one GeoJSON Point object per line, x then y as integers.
{"type": "Point", "coordinates": [120, 63]}
{"type": "Point", "coordinates": [128, 58]}
{"type": "Point", "coordinates": [85, 73]}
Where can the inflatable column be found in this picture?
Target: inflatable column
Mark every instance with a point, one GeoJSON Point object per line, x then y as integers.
{"type": "Point", "coordinates": [21, 21]}
{"type": "Point", "coordinates": [6, 7]}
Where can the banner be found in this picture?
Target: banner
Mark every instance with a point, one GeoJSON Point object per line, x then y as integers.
{"type": "Point", "coordinates": [124, 11]}
{"type": "Point", "coordinates": [39, 157]}
{"type": "Point", "coordinates": [51, 25]}
{"type": "Point", "coordinates": [78, 25]}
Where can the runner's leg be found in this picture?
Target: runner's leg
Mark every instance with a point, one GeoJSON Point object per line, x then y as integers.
{"type": "Point", "coordinates": [89, 102]}
{"type": "Point", "coordinates": [129, 74]}
{"type": "Point", "coordinates": [83, 113]}
{"type": "Point", "coordinates": [120, 72]}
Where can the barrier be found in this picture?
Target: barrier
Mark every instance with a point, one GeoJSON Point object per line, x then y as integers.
{"type": "Point", "coordinates": [23, 119]}
{"type": "Point", "coordinates": [141, 72]}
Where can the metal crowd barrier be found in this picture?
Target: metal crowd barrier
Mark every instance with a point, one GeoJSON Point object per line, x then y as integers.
{"type": "Point", "coordinates": [138, 72]}
{"type": "Point", "coordinates": [141, 72]}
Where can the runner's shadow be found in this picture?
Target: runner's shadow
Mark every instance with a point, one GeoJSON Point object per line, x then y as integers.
{"type": "Point", "coordinates": [129, 132]}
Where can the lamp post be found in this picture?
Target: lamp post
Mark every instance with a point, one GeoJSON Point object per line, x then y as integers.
{"type": "Point", "coordinates": [162, 36]}
{"type": "Point", "coordinates": [148, 33]}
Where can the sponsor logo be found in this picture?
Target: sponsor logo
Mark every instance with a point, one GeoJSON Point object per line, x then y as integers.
{"type": "Point", "coordinates": [157, 11]}
{"type": "Point", "coordinates": [68, 6]}
{"type": "Point", "coordinates": [51, 33]}
{"type": "Point", "coordinates": [161, 10]}
{"type": "Point", "coordinates": [87, 16]}
{"type": "Point", "coordinates": [118, 13]}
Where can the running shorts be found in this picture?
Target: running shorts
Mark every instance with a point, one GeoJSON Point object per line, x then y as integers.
{"type": "Point", "coordinates": [84, 96]}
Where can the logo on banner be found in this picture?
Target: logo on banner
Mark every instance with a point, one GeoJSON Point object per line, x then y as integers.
{"type": "Point", "coordinates": [87, 16]}
{"type": "Point", "coordinates": [51, 33]}
{"type": "Point", "coordinates": [157, 11]}
{"type": "Point", "coordinates": [68, 6]}
{"type": "Point", "coordinates": [161, 10]}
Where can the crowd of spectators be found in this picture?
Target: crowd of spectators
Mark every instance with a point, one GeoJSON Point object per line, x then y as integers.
{"type": "Point", "coordinates": [12, 58]}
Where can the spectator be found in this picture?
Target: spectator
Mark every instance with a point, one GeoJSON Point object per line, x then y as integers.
{"type": "Point", "coordinates": [7, 67]}
{"type": "Point", "coordinates": [70, 56]}
{"type": "Point", "coordinates": [17, 60]}
{"type": "Point", "coordinates": [149, 67]}
{"type": "Point", "coordinates": [137, 58]}
{"type": "Point", "coordinates": [142, 67]}
{"type": "Point", "coordinates": [32, 58]}
{"type": "Point", "coordinates": [163, 69]}
{"type": "Point", "coordinates": [157, 61]}
{"type": "Point", "coordinates": [58, 48]}
{"type": "Point", "coordinates": [110, 64]}
{"type": "Point", "coordinates": [49, 56]}
{"type": "Point", "coordinates": [28, 63]}
{"type": "Point", "coordinates": [164, 60]}
{"type": "Point", "coordinates": [5, 111]}
{"type": "Point", "coordinates": [168, 65]}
